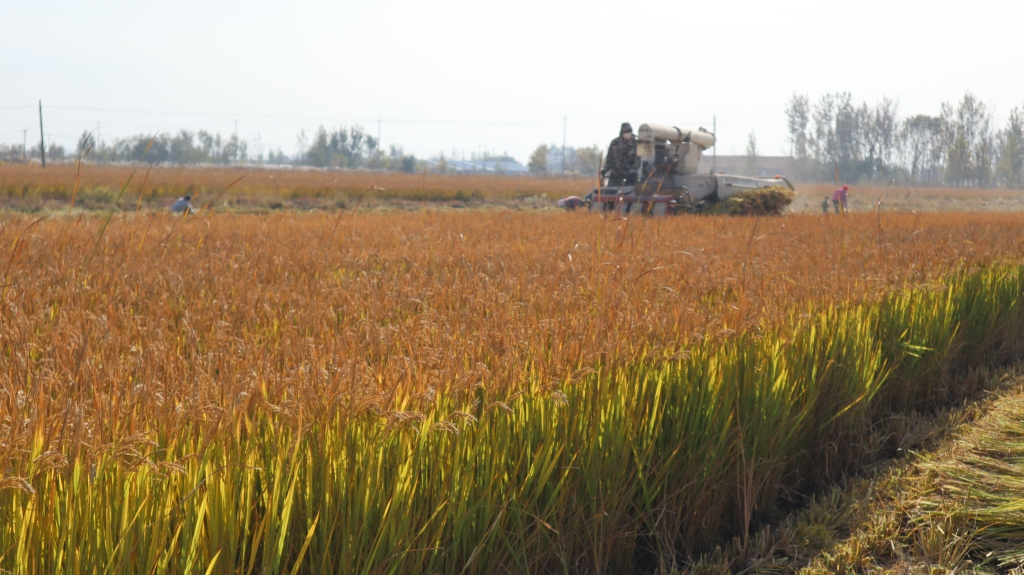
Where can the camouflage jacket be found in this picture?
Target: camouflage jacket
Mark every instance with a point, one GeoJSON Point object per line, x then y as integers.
{"type": "Point", "coordinates": [622, 156]}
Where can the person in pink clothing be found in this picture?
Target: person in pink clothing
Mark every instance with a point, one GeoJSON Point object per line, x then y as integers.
{"type": "Point", "coordinates": [840, 197]}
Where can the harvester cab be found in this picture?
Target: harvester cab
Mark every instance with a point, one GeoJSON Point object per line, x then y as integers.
{"type": "Point", "coordinates": [668, 179]}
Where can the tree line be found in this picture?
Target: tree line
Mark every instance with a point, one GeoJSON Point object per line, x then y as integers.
{"type": "Point", "coordinates": [351, 148]}
{"type": "Point", "coordinates": [554, 159]}
{"type": "Point", "coordinates": [342, 147]}
{"type": "Point", "coordinates": [958, 147]}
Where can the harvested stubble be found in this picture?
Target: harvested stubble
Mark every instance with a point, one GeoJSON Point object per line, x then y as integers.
{"type": "Point", "coordinates": [455, 393]}
{"type": "Point", "coordinates": [974, 489]}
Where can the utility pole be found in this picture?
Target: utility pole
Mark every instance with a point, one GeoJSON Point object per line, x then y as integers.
{"type": "Point", "coordinates": [563, 144]}
{"type": "Point", "coordinates": [42, 143]}
{"type": "Point", "coordinates": [24, 146]}
{"type": "Point", "coordinates": [714, 152]}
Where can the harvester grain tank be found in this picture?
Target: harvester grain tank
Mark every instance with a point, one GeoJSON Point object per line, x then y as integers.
{"type": "Point", "coordinates": [668, 178]}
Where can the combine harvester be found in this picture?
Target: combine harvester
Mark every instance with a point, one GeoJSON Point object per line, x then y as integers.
{"type": "Point", "coordinates": [668, 181]}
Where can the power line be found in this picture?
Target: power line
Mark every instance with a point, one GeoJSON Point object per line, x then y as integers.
{"type": "Point", "coordinates": [536, 122]}
{"type": "Point", "coordinates": [155, 112]}
{"type": "Point", "coordinates": [394, 120]}
{"type": "Point", "coordinates": [304, 117]}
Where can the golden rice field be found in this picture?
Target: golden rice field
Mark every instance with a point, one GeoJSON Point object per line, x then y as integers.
{"type": "Point", "coordinates": [464, 392]}
{"type": "Point", "coordinates": [176, 180]}
{"type": "Point", "coordinates": [29, 188]}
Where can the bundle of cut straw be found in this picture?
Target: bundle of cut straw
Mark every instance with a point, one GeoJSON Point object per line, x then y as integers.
{"type": "Point", "coordinates": [759, 202]}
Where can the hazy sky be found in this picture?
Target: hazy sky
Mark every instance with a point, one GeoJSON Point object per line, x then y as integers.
{"type": "Point", "coordinates": [478, 76]}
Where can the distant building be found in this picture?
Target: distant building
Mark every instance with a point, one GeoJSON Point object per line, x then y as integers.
{"type": "Point", "coordinates": [489, 166]}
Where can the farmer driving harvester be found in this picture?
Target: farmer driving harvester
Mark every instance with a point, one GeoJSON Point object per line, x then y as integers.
{"type": "Point", "coordinates": [622, 163]}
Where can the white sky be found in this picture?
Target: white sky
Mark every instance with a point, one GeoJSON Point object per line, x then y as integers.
{"type": "Point", "coordinates": [475, 76]}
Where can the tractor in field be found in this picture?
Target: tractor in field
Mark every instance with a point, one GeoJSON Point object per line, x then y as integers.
{"type": "Point", "coordinates": [667, 180]}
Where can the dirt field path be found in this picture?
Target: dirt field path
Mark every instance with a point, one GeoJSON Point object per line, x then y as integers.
{"type": "Point", "coordinates": [951, 505]}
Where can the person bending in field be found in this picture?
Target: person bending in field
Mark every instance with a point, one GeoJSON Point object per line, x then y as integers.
{"type": "Point", "coordinates": [840, 198]}
{"type": "Point", "coordinates": [571, 203]}
{"type": "Point", "coordinates": [621, 164]}
{"type": "Point", "coordinates": [183, 205]}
